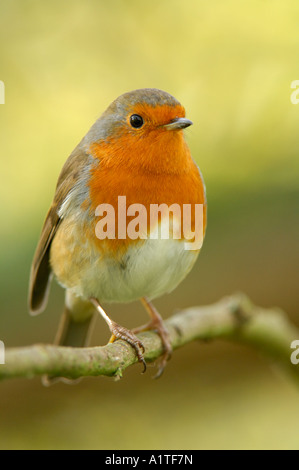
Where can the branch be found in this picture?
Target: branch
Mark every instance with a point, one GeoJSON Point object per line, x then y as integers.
{"type": "Point", "coordinates": [233, 318]}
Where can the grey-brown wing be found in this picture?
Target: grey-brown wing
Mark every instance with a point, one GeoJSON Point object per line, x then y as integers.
{"type": "Point", "coordinates": [40, 275]}
{"type": "Point", "coordinates": [74, 171]}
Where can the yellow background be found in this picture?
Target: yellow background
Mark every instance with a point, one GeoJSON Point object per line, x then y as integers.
{"type": "Point", "coordinates": [231, 64]}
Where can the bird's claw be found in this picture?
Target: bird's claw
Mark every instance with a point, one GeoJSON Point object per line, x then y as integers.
{"type": "Point", "coordinates": [120, 332]}
{"type": "Point", "coordinates": [158, 325]}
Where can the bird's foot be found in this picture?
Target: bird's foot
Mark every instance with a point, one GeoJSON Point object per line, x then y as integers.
{"type": "Point", "coordinates": [156, 323]}
{"type": "Point", "coordinates": [120, 332]}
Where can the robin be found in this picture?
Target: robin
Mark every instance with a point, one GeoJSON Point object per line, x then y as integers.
{"type": "Point", "coordinates": [135, 149]}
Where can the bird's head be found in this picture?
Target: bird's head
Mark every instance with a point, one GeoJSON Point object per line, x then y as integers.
{"type": "Point", "coordinates": [142, 127]}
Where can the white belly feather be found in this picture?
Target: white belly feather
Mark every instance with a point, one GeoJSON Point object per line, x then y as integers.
{"type": "Point", "coordinates": [150, 267]}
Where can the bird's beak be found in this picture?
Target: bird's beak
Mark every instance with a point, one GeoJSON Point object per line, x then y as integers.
{"type": "Point", "coordinates": [178, 123]}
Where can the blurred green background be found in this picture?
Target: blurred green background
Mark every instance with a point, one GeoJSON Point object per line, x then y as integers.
{"type": "Point", "coordinates": [231, 64]}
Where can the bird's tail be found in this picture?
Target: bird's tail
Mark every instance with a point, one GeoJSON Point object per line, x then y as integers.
{"type": "Point", "coordinates": [74, 330]}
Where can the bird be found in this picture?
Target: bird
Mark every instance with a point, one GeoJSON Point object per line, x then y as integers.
{"type": "Point", "coordinates": [135, 150]}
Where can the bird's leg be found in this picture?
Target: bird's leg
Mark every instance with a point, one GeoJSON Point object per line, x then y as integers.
{"type": "Point", "coordinates": [156, 323]}
{"type": "Point", "coordinates": [120, 332]}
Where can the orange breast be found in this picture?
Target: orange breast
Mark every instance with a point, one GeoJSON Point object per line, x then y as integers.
{"type": "Point", "coordinates": [160, 173]}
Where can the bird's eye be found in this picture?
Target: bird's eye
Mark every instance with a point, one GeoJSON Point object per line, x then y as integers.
{"type": "Point", "coordinates": [136, 121]}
